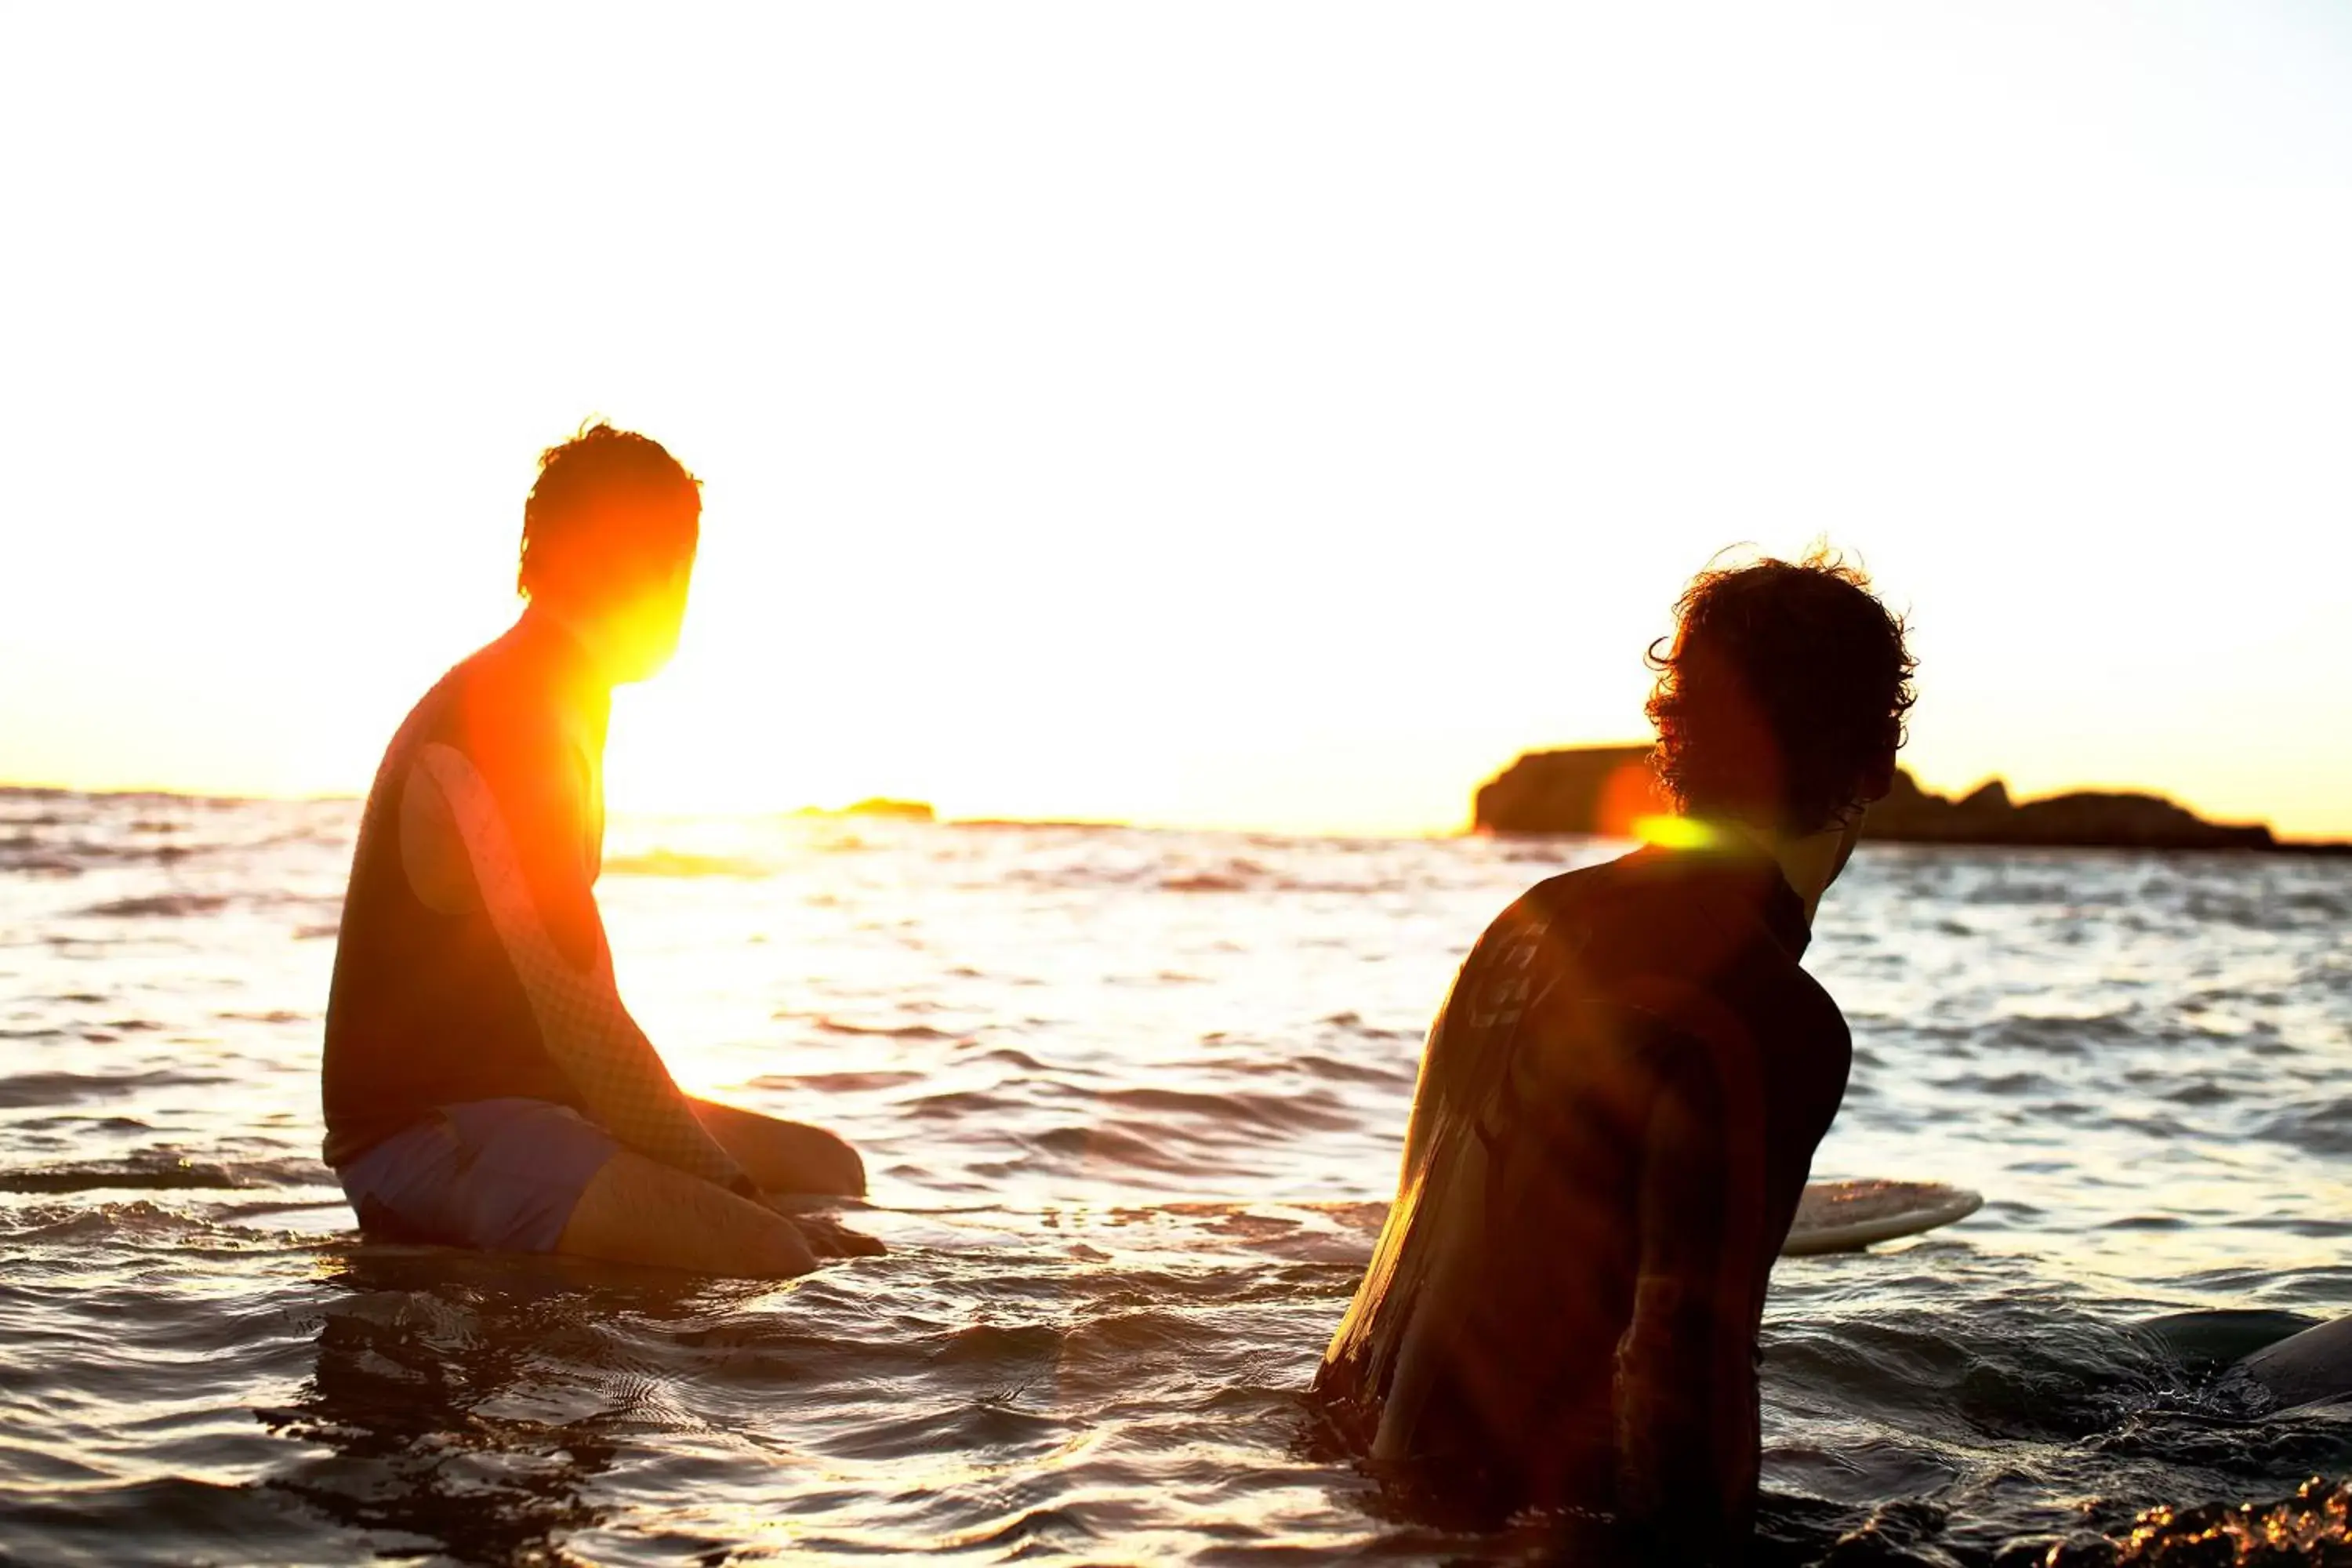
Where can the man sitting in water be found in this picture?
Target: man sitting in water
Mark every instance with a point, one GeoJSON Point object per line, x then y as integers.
{"type": "Point", "coordinates": [1620, 1100]}
{"type": "Point", "coordinates": [483, 1085]}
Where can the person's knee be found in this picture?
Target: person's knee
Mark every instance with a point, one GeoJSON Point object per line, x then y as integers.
{"type": "Point", "coordinates": [822, 1164]}
{"type": "Point", "coordinates": [839, 1169]}
{"type": "Point", "coordinates": [785, 1156]}
{"type": "Point", "coordinates": [780, 1252]}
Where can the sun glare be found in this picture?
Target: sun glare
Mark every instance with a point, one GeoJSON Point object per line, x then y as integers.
{"type": "Point", "coordinates": [1674, 832]}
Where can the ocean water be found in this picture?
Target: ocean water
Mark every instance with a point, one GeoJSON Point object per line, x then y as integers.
{"type": "Point", "coordinates": [1132, 1101]}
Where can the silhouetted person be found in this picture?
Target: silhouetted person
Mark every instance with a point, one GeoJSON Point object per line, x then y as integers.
{"type": "Point", "coordinates": [1619, 1104]}
{"type": "Point", "coordinates": [483, 1085]}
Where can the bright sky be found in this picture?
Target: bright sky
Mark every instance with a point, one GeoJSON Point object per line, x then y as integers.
{"type": "Point", "coordinates": [1267, 415]}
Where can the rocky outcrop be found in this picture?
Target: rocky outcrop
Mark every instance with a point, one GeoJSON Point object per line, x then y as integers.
{"type": "Point", "coordinates": [879, 806]}
{"type": "Point", "coordinates": [1608, 789]}
{"type": "Point", "coordinates": [1585, 789]}
{"type": "Point", "coordinates": [2085, 820]}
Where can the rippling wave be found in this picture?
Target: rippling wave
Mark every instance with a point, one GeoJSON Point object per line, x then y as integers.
{"type": "Point", "coordinates": [1132, 1103]}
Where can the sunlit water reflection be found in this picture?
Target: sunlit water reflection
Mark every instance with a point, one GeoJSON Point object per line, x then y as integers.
{"type": "Point", "coordinates": [1132, 1102]}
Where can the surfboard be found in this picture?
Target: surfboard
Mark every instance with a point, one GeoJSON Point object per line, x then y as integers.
{"type": "Point", "coordinates": [2306, 1368]}
{"type": "Point", "coordinates": [1846, 1217]}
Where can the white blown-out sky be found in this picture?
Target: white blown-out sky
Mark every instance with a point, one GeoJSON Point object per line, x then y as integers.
{"type": "Point", "coordinates": [1264, 414]}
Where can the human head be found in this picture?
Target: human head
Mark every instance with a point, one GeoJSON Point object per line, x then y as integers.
{"type": "Point", "coordinates": [1780, 704]}
{"type": "Point", "coordinates": [608, 540]}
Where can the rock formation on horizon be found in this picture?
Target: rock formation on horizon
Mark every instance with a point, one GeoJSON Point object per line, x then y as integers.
{"type": "Point", "coordinates": [1607, 789]}
{"type": "Point", "coordinates": [879, 805]}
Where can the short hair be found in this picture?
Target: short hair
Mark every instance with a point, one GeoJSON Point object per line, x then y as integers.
{"type": "Point", "coordinates": [1784, 691]}
{"type": "Point", "coordinates": [562, 536]}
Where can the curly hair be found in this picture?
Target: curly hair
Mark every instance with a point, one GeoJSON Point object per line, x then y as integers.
{"type": "Point", "coordinates": [565, 538]}
{"type": "Point", "coordinates": [1783, 694]}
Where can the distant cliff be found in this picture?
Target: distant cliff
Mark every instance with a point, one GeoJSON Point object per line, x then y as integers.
{"type": "Point", "coordinates": [1607, 789]}
{"type": "Point", "coordinates": [2085, 820]}
{"type": "Point", "coordinates": [1588, 789]}
{"type": "Point", "coordinates": [879, 806]}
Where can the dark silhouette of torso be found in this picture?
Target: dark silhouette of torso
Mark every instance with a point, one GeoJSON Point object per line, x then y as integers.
{"type": "Point", "coordinates": [426, 1008]}
{"type": "Point", "coordinates": [1481, 1352]}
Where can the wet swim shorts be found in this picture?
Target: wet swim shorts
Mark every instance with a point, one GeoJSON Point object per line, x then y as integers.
{"type": "Point", "coordinates": [503, 1175]}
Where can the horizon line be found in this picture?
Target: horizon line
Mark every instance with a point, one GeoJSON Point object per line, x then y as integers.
{"type": "Point", "coordinates": [1466, 827]}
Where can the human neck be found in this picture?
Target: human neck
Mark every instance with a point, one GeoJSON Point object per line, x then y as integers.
{"type": "Point", "coordinates": [1809, 861]}
{"type": "Point", "coordinates": [579, 633]}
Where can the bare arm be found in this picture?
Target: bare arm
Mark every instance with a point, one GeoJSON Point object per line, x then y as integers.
{"type": "Point", "coordinates": [460, 852]}
{"type": "Point", "coordinates": [1686, 1383]}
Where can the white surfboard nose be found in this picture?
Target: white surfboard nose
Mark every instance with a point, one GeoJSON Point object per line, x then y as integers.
{"type": "Point", "coordinates": [1846, 1217]}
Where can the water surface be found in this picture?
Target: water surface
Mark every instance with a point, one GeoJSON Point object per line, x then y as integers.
{"type": "Point", "coordinates": [1132, 1102]}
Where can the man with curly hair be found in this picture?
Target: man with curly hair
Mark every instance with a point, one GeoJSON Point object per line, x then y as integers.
{"type": "Point", "coordinates": [1620, 1101]}
{"type": "Point", "coordinates": [484, 1086]}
